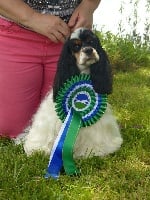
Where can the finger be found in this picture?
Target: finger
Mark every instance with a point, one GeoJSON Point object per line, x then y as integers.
{"type": "Point", "coordinates": [73, 20]}
{"type": "Point", "coordinates": [52, 38]}
{"type": "Point", "coordinates": [59, 36]}
{"type": "Point", "coordinates": [64, 29]}
{"type": "Point", "coordinates": [76, 27]}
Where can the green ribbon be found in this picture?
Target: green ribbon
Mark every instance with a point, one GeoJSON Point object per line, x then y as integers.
{"type": "Point", "coordinates": [67, 154]}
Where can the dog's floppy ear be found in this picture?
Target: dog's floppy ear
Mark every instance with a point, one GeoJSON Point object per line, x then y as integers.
{"type": "Point", "coordinates": [66, 68]}
{"type": "Point", "coordinates": [101, 73]}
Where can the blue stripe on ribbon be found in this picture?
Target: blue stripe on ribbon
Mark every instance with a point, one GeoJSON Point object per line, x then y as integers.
{"type": "Point", "coordinates": [56, 162]}
{"type": "Point", "coordinates": [95, 109]}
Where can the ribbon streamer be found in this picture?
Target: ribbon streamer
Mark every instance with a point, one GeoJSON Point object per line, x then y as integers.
{"type": "Point", "coordinates": [68, 162]}
{"type": "Point", "coordinates": [55, 162]}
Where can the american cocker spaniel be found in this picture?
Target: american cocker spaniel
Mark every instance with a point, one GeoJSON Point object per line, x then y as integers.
{"type": "Point", "coordinates": [82, 53]}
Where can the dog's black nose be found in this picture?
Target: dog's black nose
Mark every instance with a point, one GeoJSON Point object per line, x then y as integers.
{"type": "Point", "coordinates": [88, 50]}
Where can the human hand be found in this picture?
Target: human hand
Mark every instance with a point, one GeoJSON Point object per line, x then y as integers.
{"type": "Point", "coordinates": [81, 17]}
{"type": "Point", "coordinates": [50, 26]}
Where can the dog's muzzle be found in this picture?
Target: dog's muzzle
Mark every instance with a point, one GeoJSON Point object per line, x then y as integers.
{"type": "Point", "coordinates": [88, 50]}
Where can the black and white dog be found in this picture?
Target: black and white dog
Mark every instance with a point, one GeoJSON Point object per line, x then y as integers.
{"type": "Point", "coordinates": [82, 53]}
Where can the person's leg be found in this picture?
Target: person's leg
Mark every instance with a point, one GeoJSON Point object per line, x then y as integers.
{"type": "Point", "coordinates": [50, 65]}
{"type": "Point", "coordinates": [21, 77]}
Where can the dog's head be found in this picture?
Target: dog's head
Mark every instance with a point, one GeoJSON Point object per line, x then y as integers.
{"type": "Point", "coordinates": [83, 45]}
{"type": "Point", "coordinates": [83, 53]}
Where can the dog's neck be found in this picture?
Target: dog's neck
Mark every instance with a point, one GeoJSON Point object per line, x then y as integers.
{"type": "Point", "coordinates": [84, 69]}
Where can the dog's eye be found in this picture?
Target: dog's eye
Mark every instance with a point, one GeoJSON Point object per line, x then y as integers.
{"type": "Point", "coordinates": [76, 47]}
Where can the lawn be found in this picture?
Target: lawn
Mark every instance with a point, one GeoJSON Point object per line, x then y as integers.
{"type": "Point", "coordinates": [124, 175]}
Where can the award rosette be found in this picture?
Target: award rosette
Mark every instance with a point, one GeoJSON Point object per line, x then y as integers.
{"type": "Point", "coordinates": [77, 105]}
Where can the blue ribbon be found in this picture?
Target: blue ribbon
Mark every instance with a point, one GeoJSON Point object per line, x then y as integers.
{"type": "Point", "coordinates": [56, 162]}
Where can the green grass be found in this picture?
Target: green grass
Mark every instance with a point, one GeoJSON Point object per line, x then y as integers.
{"type": "Point", "coordinates": [124, 175]}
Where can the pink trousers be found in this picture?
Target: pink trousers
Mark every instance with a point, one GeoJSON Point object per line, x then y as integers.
{"type": "Point", "coordinates": [27, 67]}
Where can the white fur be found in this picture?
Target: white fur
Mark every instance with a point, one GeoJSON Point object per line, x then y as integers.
{"type": "Point", "coordinates": [84, 58]}
{"type": "Point", "coordinates": [99, 139]}
{"type": "Point", "coordinates": [76, 33]}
